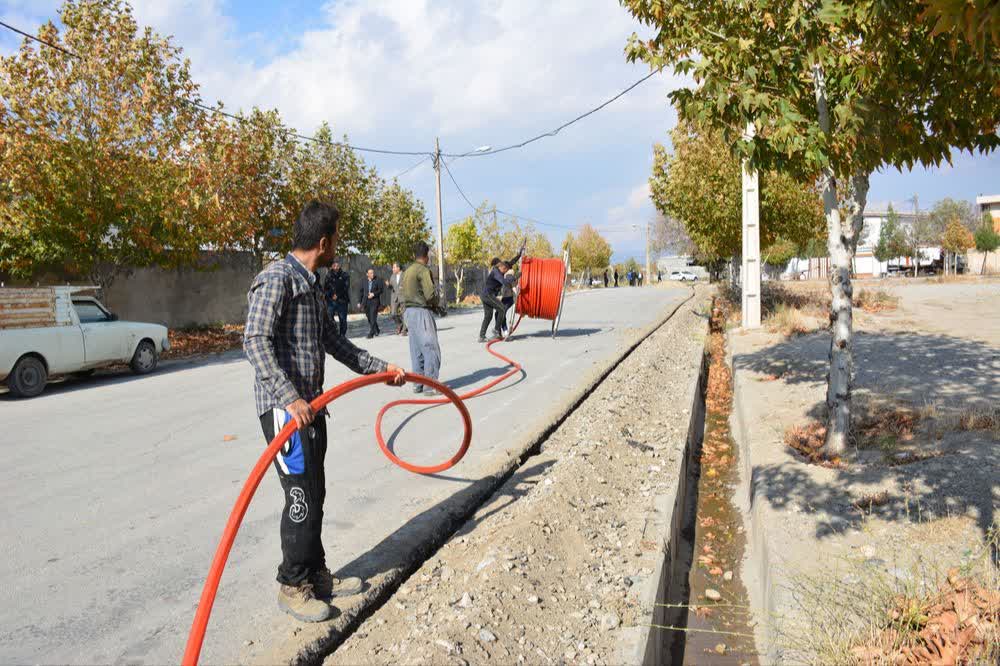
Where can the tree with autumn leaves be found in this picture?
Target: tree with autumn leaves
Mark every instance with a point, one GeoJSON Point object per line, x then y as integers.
{"type": "Point", "coordinates": [698, 184]}
{"type": "Point", "coordinates": [834, 90]}
{"type": "Point", "coordinates": [109, 161]}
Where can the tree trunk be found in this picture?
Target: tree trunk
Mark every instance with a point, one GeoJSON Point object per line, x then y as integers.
{"type": "Point", "coordinates": [459, 283]}
{"type": "Point", "coordinates": [842, 242]}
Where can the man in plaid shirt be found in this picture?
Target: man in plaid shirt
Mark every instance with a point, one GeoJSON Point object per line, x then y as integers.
{"type": "Point", "coordinates": [288, 330]}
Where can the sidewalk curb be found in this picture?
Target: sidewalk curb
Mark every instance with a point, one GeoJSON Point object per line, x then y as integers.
{"type": "Point", "coordinates": [423, 535]}
{"type": "Point", "coordinates": [664, 522]}
{"type": "Point", "coordinates": [750, 498]}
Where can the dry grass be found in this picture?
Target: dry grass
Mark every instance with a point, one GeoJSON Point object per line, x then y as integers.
{"type": "Point", "coordinates": [974, 418]}
{"type": "Point", "coordinates": [788, 321]}
{"type": "Point", "coordinates": [875, 300]}
{"type": "Point", "coordinates": [884, 426]}
{"type": "Point", "coordinates": [868, 616]}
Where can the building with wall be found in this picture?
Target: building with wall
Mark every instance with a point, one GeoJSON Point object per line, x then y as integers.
{"type": "Point", "coordinates": [990, 203]}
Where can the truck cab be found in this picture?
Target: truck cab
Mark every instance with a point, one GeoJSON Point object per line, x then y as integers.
{"type": "Point", "coordinates": [52, 331]}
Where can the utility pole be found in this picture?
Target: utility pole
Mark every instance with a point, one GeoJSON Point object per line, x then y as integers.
{"type": "Point", "coordinates": [751, 243]}
{"type": "Point", "coordinates": [440, 253]}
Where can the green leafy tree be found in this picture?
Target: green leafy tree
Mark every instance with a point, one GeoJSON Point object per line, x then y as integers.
{"type": "Point", "coordinates": [589, 252]}
{"type": "Point", "coordinates": [836, 89]}
{"type": "Point", "coordinates": [986, 239]}
{"type": "Point", "coordinates": [462, 248]}
{"type": "Point", "coordinates": [251, 168]}
{"type": "Point", "coordinates": [700, 186]}
{"type": "Point", "coordinates": [401, 222]}
{"type": "Point", "coordinates": [975, 21]}
{"type": "Point", "coordinates": [891, 238]}
{"type": "Point", "coordinates": [94, 155]}
{"type": "Point", "coordinates": [919, 234]}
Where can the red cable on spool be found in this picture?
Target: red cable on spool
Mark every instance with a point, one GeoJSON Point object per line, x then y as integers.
{"type": "Point", "coordinates": [540, 294]}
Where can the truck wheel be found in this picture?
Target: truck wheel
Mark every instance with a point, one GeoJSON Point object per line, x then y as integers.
{"type": "Point", "coordinates": [28, 377]}
{"type": "Point", "coordinates": [145, 358]}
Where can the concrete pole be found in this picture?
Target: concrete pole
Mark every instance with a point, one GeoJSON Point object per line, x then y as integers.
{"type": "Point", "coordinates": [751, 244]}
{"type": "Point", "coordinates": [440, 225]}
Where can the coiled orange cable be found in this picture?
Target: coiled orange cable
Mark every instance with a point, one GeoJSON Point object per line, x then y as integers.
{"type": "Point", "coordinates": [540, 296]}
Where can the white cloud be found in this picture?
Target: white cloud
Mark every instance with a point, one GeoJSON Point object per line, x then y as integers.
{"type": "Point", "coordinates": [409, 69]}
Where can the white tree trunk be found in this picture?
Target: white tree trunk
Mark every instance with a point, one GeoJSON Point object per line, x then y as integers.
{"type": "Point", "coordinates": [842, 243]}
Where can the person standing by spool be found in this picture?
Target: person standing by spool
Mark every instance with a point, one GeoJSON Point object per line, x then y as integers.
{"type": "Point", "coordinates": [419, 301]}
{"type": "Point", "coordinates": [288, 330]}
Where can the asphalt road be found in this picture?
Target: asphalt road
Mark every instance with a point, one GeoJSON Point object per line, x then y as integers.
{"type": "Point", "coordinates": [115, 490]}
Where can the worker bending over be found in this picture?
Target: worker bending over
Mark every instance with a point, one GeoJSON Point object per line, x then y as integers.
{"type": "Point", "coordinates": [287, 332]}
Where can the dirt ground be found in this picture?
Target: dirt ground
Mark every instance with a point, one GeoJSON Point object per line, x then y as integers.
{"type": "Point", "coordinates": [549, 570]}
{"type": "Point", "coordinates": [915, 496]}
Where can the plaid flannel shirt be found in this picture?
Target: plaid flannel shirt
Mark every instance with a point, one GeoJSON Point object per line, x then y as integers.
{"type": "Point", "coordinates": [288, 329]}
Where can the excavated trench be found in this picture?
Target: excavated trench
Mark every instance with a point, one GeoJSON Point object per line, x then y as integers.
{"type": "Point", "coordinates": [313, 654]}
{"type": "Point", "coordinates": [702, 613]}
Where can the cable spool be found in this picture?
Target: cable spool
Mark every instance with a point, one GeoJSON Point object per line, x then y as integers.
{"type": "Point", "coordinates": [541, 290]}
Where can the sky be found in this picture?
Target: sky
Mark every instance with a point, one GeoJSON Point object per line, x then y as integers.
{"type": "Point", "coordinates": [396, 74]}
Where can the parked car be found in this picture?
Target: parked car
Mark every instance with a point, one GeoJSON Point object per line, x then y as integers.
{"type": "Point", "coordinates": [59, 331]}
{"type": "Point", "coordinates": [683, 276]}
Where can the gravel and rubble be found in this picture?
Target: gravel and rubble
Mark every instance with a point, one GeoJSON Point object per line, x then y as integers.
{"type": "Point", "coordinates": [548, 571]}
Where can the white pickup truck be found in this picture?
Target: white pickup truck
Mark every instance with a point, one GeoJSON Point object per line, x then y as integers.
{"type": "Point", "coordinates": [59, 330]}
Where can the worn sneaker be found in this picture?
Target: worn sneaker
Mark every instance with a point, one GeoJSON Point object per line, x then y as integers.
{"type": "Point", "coordinates": [301, 603]}
{"type": "Point", "coordinates": [419, 388]}
{"type": "Point", "coordinates": [327, 586]}
{"type": "Point", "coordinates": [482, 338]}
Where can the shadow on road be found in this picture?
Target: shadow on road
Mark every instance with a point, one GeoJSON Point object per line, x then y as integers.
{"type": "Point", "coordinates": [562, 333]}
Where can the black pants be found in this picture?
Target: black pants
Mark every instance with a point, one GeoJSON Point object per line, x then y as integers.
{"type": "Point", "coordinates": [371, 311]}
{"type": "Point", "coordinates": [492, 308]}
{"type": "Point", "coordinates": [338, 310]}
{"type": "Point", "coordinates": [300, 469]}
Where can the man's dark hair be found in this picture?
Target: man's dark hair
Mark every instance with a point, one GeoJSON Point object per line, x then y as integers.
{"type": "Point", "coordinates": [421, 250]}
{"type": "Point", "coordinates": [494, 261]}
{"type": "Point", "coordinates": [316, 221]}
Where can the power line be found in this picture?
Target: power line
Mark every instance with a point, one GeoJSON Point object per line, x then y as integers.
{"type": "Point", "coordinates": [457, 186]}
{"type": "Point", "coordinates": [558, 129]}
{"type": "Point", "coordinates": [302, 137]}
{"type": "Point", "coordinates": [414, 166]}
{"type": "Point", "coordinates": [515, 215]}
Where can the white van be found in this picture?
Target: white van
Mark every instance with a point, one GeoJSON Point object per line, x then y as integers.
{"type": "Point", "coordinates": [59, 330]}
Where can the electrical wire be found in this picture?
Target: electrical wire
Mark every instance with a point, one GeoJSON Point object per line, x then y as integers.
{"type": "Point", "coordinates": [210, 109]}
{"type": "Point", "coordinates": [515, 215]}
{"type": "Point", "coordinates": [580, 117]}
{"type": "Point", "coordinates": [454, 156]}
{"type": "Point", "coordinates": [414, 166]}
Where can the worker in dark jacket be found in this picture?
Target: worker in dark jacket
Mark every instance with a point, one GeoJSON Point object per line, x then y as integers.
{"type": "Point", "coordinates": [493, 307]}
{"type": "Point", "coordinates": [337, 288]}
{"type": "Point", "coordinates": [371, 301]}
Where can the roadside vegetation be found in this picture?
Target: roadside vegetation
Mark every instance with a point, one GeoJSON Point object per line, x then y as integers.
{"type": "Point", "coordinates": [933, 614]}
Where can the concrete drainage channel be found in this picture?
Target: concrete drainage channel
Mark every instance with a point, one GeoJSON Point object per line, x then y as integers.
{"type": "Point", "coordinates": [317, 649]}
{"type": "Point", "coordinates": [700, 605]}
{"type": "Point", "coordinates": [670, 597]}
